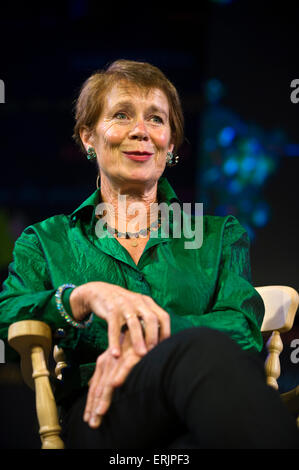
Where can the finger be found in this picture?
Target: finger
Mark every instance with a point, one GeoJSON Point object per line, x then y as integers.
{"type": "Point", "coordinates": [124, 371]}
{"type": "Point", "coordinates": [162, 316]}
{"type": "Point", "coordinates": [114, 327]}
{"type": "Point", "coordinates": [150, 331]}
{"type": "Point", "coordinates": [101, 394]}
{"type": "Point", "coordinates": [108, 365]}
{"type": "Point", "coordinates": [105, 400]}
{"type": "Point", "coordinates": [136, 333]}
{"type": "Point", "coordinates": [95, 417]}
{"type": "Point", "coordinates": [164, 320]}
{"type": "Point", "coordinates": [111, 312]}
{"type": "Point", "coordinates": [150, 328]}
{"type": "Point", "coordinates": [92, 389]}
{"type": "Point", "coordinates": [95, 421]}
{"type": "Point", "coordinates": [89, 403]}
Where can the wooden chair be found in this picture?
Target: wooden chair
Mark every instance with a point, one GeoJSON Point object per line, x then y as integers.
{"type": "Point", "coordinates": [32, 339]}
{"type": "Point", "coordinates": [281, 304]}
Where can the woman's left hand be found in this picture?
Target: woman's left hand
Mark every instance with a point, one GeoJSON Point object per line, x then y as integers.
{"type": "Point", "coordinates": [110, 372]}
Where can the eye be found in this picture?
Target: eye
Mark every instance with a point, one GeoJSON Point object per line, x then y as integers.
{"type": "Point", "coordinates": [120, 116]}
{"type": "Point", "coordinates": [157, 119]}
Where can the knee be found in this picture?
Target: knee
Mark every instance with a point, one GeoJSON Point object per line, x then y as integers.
{"type": "Point", "coordinates": [198, 355]}
{"type": "Point", "coordinates": [210, 349]}
{"type": "Point", "coordinates": [207, 340]}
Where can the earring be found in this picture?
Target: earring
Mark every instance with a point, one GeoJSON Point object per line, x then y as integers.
{"type": "Point", "coordinates": [91, 154]}
{"type": "Point", "coordinates": [171, 160]}
{"type": "Point", "coordinates": [97, 181]}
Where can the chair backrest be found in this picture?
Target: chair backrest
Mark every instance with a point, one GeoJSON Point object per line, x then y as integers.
{"type": "Point", "coordinates": [281, 304]}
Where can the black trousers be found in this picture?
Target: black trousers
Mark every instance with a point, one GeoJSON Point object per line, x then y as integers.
{"type": "Point", "coordinates": [197, 389]}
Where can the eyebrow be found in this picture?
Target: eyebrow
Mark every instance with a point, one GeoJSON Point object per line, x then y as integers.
{"type": "Point", "coordinates": [128, 105]}
{"type": "Point", "coordinates": [122, 104]}
{"type": "Point", "coordinates": [157, 109]}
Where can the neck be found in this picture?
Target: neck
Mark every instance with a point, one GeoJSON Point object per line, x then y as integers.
{"type": "Point", "coordinates": [128, 206]}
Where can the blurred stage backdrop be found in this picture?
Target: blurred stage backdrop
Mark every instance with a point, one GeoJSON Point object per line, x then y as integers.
{"type": "Point", "coordinates": [232, 62]}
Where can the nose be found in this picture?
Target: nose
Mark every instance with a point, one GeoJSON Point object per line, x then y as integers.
{"type": "Point", "coordinates": [139, 131]}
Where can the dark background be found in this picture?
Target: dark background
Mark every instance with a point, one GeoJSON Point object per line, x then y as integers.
{"type": "Point", "coordinates": [48, 50]}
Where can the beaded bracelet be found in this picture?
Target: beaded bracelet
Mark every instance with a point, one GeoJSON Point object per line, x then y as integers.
{"type": "Point", "coordinates": [62, 311]}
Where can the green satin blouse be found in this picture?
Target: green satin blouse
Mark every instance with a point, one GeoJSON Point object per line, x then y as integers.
{"type": "Point", "coordinates": [208, 286]}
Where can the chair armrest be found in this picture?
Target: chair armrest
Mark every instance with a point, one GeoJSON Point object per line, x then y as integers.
{"type": "Point", "coordinates": [23, 336]}
{"type": "Point", "coordinates": [33, 340]}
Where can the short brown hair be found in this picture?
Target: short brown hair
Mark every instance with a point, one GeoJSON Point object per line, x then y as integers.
{"type": "Point", "coordinates": [90, 102]}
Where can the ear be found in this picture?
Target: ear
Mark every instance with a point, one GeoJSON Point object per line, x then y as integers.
{"type": "Point", "coordinates": [86, 137]}
{"type": "Point", "coordinates": [171, 147]}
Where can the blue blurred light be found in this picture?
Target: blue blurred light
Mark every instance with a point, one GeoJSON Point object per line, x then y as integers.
{"type": "Point", "coordinates": [263, 169]}
{"type": "Point", "coordinates": [260, 217]}
{"type": "Point", "coordinates": [238, 159]}
{"type": "Point", "coordinates": [248, 163]}
{"type": "Point", "coordinates": [249, 230]}
{"type": "Point", "coordinates": [252, 145]}
{"type": "Point", "coordinates": [211, 175]}
{"type": "Point", "coordinates": [226, 136]}
{"type": "Point", "coordinates": [234, 187]}
{"type": "Point", "coordinates": [231, 166]}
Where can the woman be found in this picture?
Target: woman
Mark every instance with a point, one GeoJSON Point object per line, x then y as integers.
{"type": "Point", "coordinates": [149, 327]}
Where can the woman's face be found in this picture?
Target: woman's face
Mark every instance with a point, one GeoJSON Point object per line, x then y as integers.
{"type": "Point", "coordinates": [133, 135]}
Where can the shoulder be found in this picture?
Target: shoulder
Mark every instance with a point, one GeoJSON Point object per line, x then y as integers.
{"type": "Point", "coordinates": [212, 233]}
{"type": "Point", "coordinates": [224, 231]}
{"type": "Point", "coordinates": [51, 228]}
{"type": "Point", "coordinates": [222, 226]}
{"type": "Point", "coordinates": [227, 232]}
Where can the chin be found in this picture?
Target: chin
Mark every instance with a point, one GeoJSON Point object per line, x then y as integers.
{"type": "Point", "coordinates": [139, 179]}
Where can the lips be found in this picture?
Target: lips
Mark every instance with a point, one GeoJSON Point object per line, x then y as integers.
{"type": "Point", "coordinates": [138, 155]}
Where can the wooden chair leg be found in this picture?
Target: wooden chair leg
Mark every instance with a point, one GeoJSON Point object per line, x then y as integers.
{"type": "Point", "coordinates": [272, 364]}
{"type": "Point", "coordinates": [45, 403]}
{"type": "Point", "coordinates": [32, 340]}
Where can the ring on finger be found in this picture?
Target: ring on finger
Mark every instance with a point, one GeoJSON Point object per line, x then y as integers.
{"type": "Point", "coordinates": [130, 315]}
{"type": "Point", "coordinates": [125, 327]}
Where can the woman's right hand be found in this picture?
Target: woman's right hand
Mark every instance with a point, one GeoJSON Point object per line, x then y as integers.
{"type": "Point", "coordinates": [110, 372]}
{"type": "Point", "coordinates": [119, 306]}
